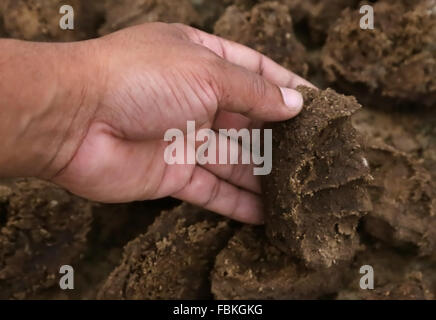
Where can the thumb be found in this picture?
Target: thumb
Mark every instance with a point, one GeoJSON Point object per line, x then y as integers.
{"type": "Point", "coordinates": [249, 93]}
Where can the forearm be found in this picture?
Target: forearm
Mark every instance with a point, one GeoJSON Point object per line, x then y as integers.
{"type": "Point", "coordinates": [44, 99]}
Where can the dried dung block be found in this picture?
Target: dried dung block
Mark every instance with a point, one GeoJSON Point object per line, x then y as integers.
{"type": "Point", "coordinates": [315, 15]}
{"type": "Point", "coordinates": [122, 14]}
{"type": "Point", "coordinates": [42, 227]}
{"type": "Point", "coordinates": [410, 288]}
{"type": "Point", "coordinates": [113, 226]}
{"type": "Point", "coordinates": [172, 260]}
{"type": "Point", "coordinates": [316, 192]}
{"type": "Point", "coordinates": [404, 199]}
{"type": "Point", "coordinates": [267, 28]}
{"type": "Point", "coordinates": [394, 63]}
{"type": "Point", "coordinates": [38, 20]}
{"type": "Point", "coordinates": [208, 12]}
{"type": "Point", "coordinates": [252, 268]}
{"type": "Point", "coordinates": [411, 133]}
{"type": "Point", "coordinates": [319, 15]}
{"type": "Point", "coordinates": [397, 276]}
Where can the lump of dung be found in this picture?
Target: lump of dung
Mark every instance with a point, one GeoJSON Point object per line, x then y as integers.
{"type": "Point", "coordinates": [267, 28]}
{"type": "Point", "coordinates": [243, 4]}
{"type": "Point", "coordinates": [390, 127]}
{"type": "Point", "coordinates": [208, 13]}
{"type": "Point", "coordinates": [252, 268]}
{"type": "Point", "coordinates": [128, 13]}
{"type": "Point", "coordinates": [42, 227]}
{"type": "Point", "coordinates": [423, 129]}
{"type": "Point", "coordinates": [408, 288]}
{"type": "Point", "coordinates": [404, 199]}
{"type": "Point", "coordinates": [38, 20]}
{"type": "Point", "coordinates": [116, 224]}
{"type": "Point", "coordinates": [319, 15]}
{"type": "Point", "coordinates": [401, 151]}
{"type": "Point", "coordinates": [397, 276]}
{"type": "Point", "coordinates": [172, 260]}
{"type": "Point", "coordinates": [112, 227]}
{"type": "Point", "coordinates": [316, 192]}
{"type": "Point", "coordinates": [316, 15]}
{"type": "Point", "coordinates": [411, 133]}
{"type": "Point", "coordinates": [394, 63]}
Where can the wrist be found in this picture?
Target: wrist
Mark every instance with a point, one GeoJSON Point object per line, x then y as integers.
{"type": "Point", "coordinates": [80, 82]}
{"type": "Point", "coordinates": [48, 102]}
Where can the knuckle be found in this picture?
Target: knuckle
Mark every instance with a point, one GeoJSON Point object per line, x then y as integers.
{"type": "Point", "coordinates": [215, 71]}
{"type": "Point", "coordinates": [234, 207]}
{"type": "Point", "coordinates": [205, 57]}
{"type": "Point", "coordinates": [212, 59]}
{"type": "Point", "coordinates": [213, 194]}
{"type": "Point", "coordinates": [259, 87]}
{"type": "Point", "coordinates": [184, 31]}
{"type": "Point", "coordinates": [237, 172]}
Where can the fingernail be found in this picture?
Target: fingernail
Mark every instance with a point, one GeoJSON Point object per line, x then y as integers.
{"type": "Point", "coordinates": [292, 98]}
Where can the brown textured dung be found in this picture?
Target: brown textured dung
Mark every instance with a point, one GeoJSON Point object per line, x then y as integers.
{"type": "Point", "coordinates": [423, 129]}
{"type": "Point", "coordinates": [252, 268]}
{"type": "Point", "coordinates": [395, 62]}
{"type": "Point", "coordinates": [411, 133]}
{"type": "Point", "coordinates": [315, 194]}
{"type": "Point", "coordinates": [316, 15]}
{"type": "Point", "coordinates": [267, 28]}
{"type": "Point", "coordinates": [208, 13]}
{"type": "Point", "coordinates": [42, 227]}
{"type": "Point", "coordinates": [404, 199]}
{"type": "Point", "coordinates": [187, 252]}
{"type": "Point", "coordinates": [172, 260]}
{"type": "Point", "coordinates": [38, 20]}
{"type": "Point", "coordinates": [401, 151]}
{"type": "Point", "coordinates": [113, 225]}
{"type": "Point", "coordinates": [122, 14]}
{"type": "Point", "coordinates": [388, 127]}
{"type": "Point", "coordinates": [243, 4]}
{"type": "Point", "coordinates": [409, 288]}
{"type": "Point", "coordinates": [319, 15]}
{"type": "Point", "coordinates": [397, 276]}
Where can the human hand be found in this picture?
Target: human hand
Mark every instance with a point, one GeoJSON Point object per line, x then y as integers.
{"type": "Point", "coordinates": [158, 76]}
